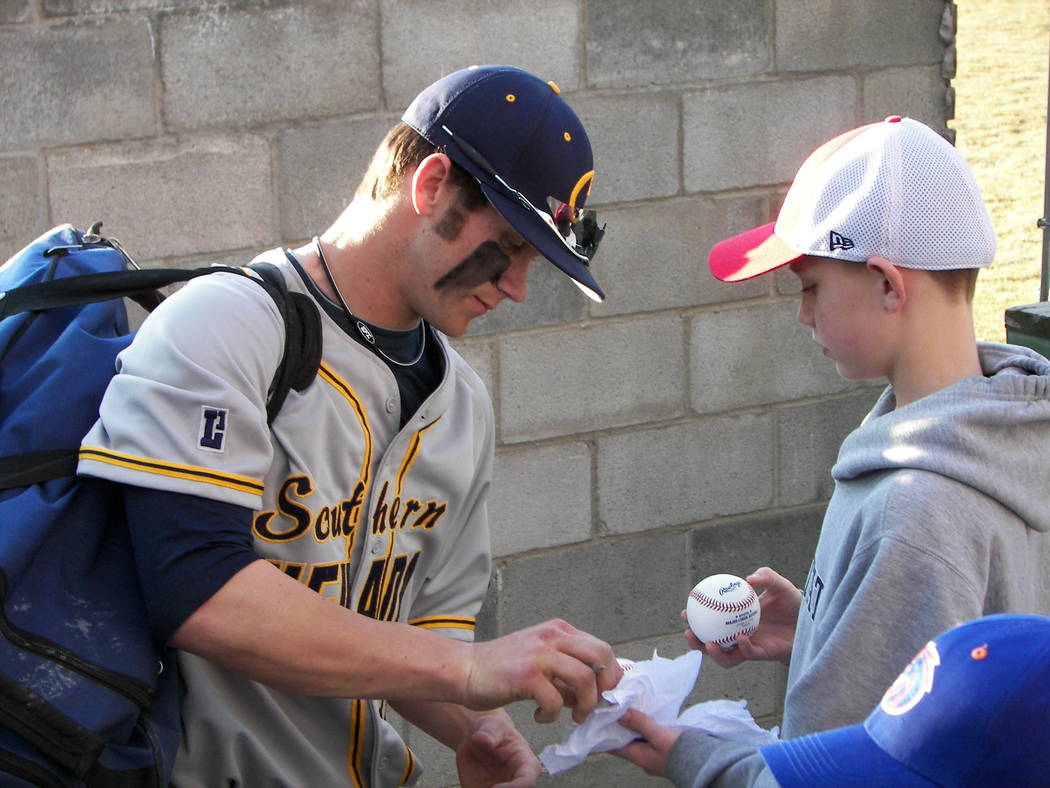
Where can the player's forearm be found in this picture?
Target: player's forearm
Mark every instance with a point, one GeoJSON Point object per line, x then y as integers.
{"type": "Point", "coordinates": [449, 723]}
{"type": "Point", "coordinates": [270, 628]}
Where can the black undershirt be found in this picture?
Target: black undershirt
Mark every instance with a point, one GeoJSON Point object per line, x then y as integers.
{"type": "Point", "coordinates": [414, 383]}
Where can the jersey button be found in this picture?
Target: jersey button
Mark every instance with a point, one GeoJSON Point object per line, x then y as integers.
{"type": "Point", "coordinates": [376, 547]}
{"type": "Point", "coordinates": [390, 405]}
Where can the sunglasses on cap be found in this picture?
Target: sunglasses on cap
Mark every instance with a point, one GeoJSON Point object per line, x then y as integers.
{"type": "Point", "coordinates": [563, 218]}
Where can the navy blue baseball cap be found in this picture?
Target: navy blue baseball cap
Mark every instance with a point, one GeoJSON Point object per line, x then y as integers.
{"type": "Point", "coordinates": [521, 141]}
{"type": "Point", "coordinates": [969, 710]}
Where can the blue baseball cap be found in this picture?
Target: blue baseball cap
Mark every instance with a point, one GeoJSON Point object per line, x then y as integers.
{"type": "Point", "coordinates": [524, 145]}
{"type": "Point", "coordinates": [970, 710]}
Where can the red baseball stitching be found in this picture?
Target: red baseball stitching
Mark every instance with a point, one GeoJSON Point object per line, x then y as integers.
{"type": "Point", "coordinates": [720, 606]}
{"type": "Point", "coordinates": [749, 631]}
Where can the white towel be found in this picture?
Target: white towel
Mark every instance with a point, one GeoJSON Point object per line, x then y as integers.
{"type": "Point", "coordinates": [657, 687]}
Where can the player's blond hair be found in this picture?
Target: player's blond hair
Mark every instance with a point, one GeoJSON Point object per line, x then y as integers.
{"type": "Point", "coordinates": [398, 155]}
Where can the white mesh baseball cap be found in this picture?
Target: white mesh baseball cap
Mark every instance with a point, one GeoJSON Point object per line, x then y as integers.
{"type": "Point", "coordinates": [894, 189]}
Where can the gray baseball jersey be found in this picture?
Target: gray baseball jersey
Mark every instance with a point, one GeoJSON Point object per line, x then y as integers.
{"type": "Point", "coordinates": [390, 522]}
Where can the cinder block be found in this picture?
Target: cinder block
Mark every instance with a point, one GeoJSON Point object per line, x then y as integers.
{"type": "Point", "coordinates": [137, 314]}
{"type": "Point", "coordinates": [782, 540]}
{"type": "Point", "coordinates": [169, 198]}
{"type": "Point", "coordinates": [578, 379]}
{"type": "Point", "coordinates": [610, 589]}
{"type": "Point", "coordinates": [654, 255]}
{"type": "Point", "coordinates": [685, 472]}
{"type": "Point", "coordinates": [761, 684]}
{"type": "Point", "coordinates": [76, 83]}
{"type": "Point", "coordinates": [479, 354]}
{"type": "Point", "coordinates": [319, 167]}
{"type": "Point", "coordinates": [552, 299]}
{"type": "Point", "coordinates": [247, 67]}
{"type": "Point", "coordinates": [756, 355]}
{"type": "Point", "coordinates": [816, 35]}
{"type": "Point", "coordinates": [12, 11]}
{"type": "Point", "coordinates": [916, 92]}
{"type": "Point", "coordinates": [809, 438]}
{"type": "Point", "coordinates": [541, 36]}
{"type": "Point", "coordinates": [487, 626]}
{"type": "Point", "coordinates": [665, 42]}
{"type": "Point", "coordinates": [23, 216]}
{"type": "Point", "coordinates": [760, 133]}
{"type": "Point", "coordinates": [85, 7]}
{"type": "Point", "coordinates": [785, 282]}
{"type": "Point", "coordinates": [636, 145]}
{"type": "Point", "coordinates": [237, 257]}
{"type": "Point", "coordinates": [541, 497]}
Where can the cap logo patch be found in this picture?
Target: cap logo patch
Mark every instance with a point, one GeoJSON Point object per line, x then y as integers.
{"type": "Point", "coordinates": [913, 684]}
{"type": "Point", "coordinates": [585, 180]}
{"type": "Point", "coordinates": [840, 241]}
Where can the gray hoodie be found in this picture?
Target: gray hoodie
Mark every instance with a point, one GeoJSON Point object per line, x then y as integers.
{"type": "Point", "coordinates": [941, 514]}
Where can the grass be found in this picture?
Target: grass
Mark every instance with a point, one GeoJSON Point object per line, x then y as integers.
{"type": "Point", "coordinates": [1000, 123]}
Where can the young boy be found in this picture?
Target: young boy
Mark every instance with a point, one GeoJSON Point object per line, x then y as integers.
{"type": "Point", "coordinates": [938, 514]}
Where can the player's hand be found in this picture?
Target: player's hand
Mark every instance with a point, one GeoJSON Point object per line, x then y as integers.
{"type": "Point", "coordinates": [779, 602]}
{"type": "Point", "coordinates": [495, 754]}
{"type": "Point", "coordinates": [552, 663]}
{"type": "Point", "coordinates": [651, 752]}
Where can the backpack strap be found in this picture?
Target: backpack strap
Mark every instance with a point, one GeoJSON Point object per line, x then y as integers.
{"type": "Point", "coordinates": [302, 338]}
{"type": "Point", "coordinates": [302, 346]}
{"type": "Point", "coordinates": [35, 467]}
{"type": "Point", "coordinates": [91, 288]}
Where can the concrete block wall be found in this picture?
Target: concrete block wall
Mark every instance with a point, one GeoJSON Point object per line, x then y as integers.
{"type": "Point", "coordinates": [684, 427]}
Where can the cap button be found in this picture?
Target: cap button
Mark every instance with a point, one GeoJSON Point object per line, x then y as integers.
{"type": "Point", "coordinates": [894, 119]}
{"type": "Point", "coordinates": [554, 86]}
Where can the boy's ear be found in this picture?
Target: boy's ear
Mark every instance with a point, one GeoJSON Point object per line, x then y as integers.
{"type": "Point", "coordinates": [893, 288]}
{"type": "Point", "coordinates": [430, 177]}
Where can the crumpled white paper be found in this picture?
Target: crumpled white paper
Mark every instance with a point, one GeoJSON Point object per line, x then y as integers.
{"type": "Point", "coordinates": [657, 687]}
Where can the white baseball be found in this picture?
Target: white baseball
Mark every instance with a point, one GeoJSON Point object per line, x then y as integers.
{"type": "Point", "coordinates": [721, 608]}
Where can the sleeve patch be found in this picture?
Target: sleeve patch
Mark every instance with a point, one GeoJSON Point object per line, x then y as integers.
{"type": "Point", "coordinates": [212, 432]}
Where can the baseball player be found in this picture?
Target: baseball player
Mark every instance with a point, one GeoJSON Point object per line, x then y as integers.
{"type": "Point", "coordinates": [310, 569]}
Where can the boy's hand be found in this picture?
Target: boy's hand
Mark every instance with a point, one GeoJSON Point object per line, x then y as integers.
{"type": "Point", "coordinates": [779, 602]}
{"type": "Point", "coordinates": [651, 751]}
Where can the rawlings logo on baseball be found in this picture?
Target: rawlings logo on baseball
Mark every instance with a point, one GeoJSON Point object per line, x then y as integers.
{"type": "Point", "coordinates": [721, 608]}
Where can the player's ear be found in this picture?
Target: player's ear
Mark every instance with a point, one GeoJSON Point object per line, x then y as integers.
{"type": "Point", "coordinates": [893, 290]}
{"type": "Point", "coordinates": [431, 177]}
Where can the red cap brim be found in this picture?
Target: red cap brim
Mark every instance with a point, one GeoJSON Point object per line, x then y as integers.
{"type": "Point", "coordinates": [750, 254]}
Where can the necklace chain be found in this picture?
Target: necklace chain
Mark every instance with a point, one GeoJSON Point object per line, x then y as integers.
{"type": "Point", "coordinates": [360, 325]}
